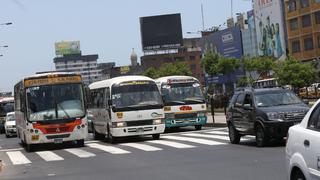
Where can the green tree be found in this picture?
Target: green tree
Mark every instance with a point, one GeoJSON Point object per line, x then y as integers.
{"type": "Point", "coordinates": [169, 69]}
{"type": "Point", "coordinates": [291, 72]}
{"type": "Point", "coordinates": [256, 67]}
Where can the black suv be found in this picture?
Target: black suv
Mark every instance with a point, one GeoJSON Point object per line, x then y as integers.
{"type": "Point", "coordinates": [266, 113]}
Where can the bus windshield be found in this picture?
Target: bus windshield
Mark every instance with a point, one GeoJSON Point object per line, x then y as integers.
{"type": "Point", "coordinates": [52, 102]}
{"type": "Point", "coordinates": [182, 93]}
{"type": "Point", "coordinates": [136, 97]}
{"type": "Point", "coordinates": [6, 107]}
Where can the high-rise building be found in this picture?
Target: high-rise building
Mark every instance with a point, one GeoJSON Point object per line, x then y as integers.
{"type": "Point", "coordinates": [86, 65]}
{"type": "Point", "coordinates": [303, 29]}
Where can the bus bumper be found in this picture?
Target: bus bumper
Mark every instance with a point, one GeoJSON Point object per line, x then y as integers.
{"type": "Point", "coordinates": [201, 120]}
{"type": "Point", "coordinates": [138, 130]}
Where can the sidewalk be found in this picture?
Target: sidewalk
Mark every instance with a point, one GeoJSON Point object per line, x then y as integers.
{"type": "Point", "coordinates": [219, 118]}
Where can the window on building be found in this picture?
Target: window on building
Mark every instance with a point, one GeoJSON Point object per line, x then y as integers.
{"type": "Point", "coordinates": [317, 17]}
{"type": "Point", "coordinates": [292, 5]}
{"type": "Point", "coordinates": [318, 39]}
{"type": "Point", "coordinates": [306, 20]}
{"type": "Point", "coordinates": [304, 3]}
{"type": "Point", "coordinates": [295, 46]}
{"type": "Point", "coordinates": [193, 67]}
{"type": "Point", "coordinates": [308, 43]}
{"type": "Point", "coordinates": [293, 24]}
{"type": "Point", "coordinates": [192, 57]}
{"type": "Point", "coordinates": [317, 1]}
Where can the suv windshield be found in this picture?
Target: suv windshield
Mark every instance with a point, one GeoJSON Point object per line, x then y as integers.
{"type": "Point", "coordinates": [182, 93]}
{"type": "Point", "coordinates": [276, 98]}
{"type": "Point", "coordinates": [136, 95]}
{"type": "Point", "coordinates": [51, 102]}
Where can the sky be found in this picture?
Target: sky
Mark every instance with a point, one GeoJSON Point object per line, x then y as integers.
{"type": "Point", "coordinates": [104, 27]}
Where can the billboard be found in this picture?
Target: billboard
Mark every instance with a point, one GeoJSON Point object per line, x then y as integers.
{"type": "Point", "coordinates": [270, 28]}
{"type": "Point", "coordinates": [161, 32]}
{"type": "Point", "coordinates": [228, 43]}
{"type": "Point", "coordinates": [67, 47]}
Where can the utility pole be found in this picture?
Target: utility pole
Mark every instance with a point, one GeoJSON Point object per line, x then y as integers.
{"type": "Point", "coordinates": [202, 17]}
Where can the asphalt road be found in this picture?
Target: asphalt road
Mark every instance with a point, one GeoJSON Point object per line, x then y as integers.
{"type": "Point", "coordinates": [183, 154]}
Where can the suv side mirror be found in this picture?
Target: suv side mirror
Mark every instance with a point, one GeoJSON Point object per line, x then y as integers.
{"type": "Point", "coordinates": [109, 102]}
{"type": "Point", "coordinates": [306, 101]}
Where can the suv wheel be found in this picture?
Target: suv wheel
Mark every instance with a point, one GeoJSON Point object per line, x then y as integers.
{"type": "Point", "coordinates": [261, 136]}
{"type": "Point", "coordinates": [198, 127]}
{"type": "Point", "coordinates": [297, 175]}
{"type": "Point", "coordinates": [234, 135]}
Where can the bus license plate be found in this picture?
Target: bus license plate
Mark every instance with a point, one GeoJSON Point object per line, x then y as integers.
{"type": "Point", "coordinates": [140, 130]}
{"type": "Point", "coordinates": [58, 141]}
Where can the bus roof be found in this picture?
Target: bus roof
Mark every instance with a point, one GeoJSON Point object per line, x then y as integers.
{"type": "Point", "coordinates": [50, 74]}
{"type": "Point", "coordinates": [6, 99]}
{"type": "Point", "coordinates": [177, 78]}
{"type": "Point", "coordinates": [117, 80]}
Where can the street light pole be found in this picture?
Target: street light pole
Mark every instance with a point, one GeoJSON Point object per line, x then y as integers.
{"type": "Point", "coordinates": [8, 23]}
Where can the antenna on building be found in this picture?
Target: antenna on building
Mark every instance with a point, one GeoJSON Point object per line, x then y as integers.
{"type": "Point", "coordinates": [202, 17]}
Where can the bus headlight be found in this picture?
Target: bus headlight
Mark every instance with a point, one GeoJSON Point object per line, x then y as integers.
{"type": "Point", "coordinates": [157, 121]}
{"type": "Point", "coordinates": [169, 115]}
{"type": "Point", "coordinates": [119, 124]}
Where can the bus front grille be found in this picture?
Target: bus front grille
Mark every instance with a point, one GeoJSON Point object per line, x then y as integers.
{"type": "Point", "coordinates": [140, 123]}
{"type": "Point", "coordinates": [58, 136]}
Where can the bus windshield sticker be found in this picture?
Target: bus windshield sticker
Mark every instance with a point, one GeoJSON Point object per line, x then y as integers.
{"type": "Point", "coordinates": [134, 83]}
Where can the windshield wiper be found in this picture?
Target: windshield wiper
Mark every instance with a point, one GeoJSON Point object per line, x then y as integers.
{"type": "Point", "coordinates": [178, 102]}
{"type": "Point", "coordinates": [59, 106]}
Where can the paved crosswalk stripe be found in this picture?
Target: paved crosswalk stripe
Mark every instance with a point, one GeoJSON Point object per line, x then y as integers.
{"type": "Point", "coordinates": [218, 132]}
{"type": "Point", "coordinates": [109, 149]}
{"type": "Point", "coordinates": [140, 146]}
{"type": "Point", "coordinates": [80, 153]}
{"type": "Point", "coordinates": [17, 158]}
{"type": "Point", "coordinates": [194, 140]}
{"type": "Point", "coordinates": [207, 136]}
{"type": "Point", "coordinates": [49, 156]}
{"type": "Point", "coordinates": [172, 144]}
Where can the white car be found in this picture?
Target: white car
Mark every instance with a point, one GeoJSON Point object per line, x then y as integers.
{"type": "Point", "coordinates": [303, 147]}
{"type": "Point", "coordinates": [10, 124]}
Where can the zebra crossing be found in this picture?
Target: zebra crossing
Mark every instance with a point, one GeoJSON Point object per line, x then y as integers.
{"type": "Point", "coordinates": [184, 140]}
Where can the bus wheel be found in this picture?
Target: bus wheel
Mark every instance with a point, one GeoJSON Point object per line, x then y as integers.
{"type": "Point", "coordinates": [80, 143]}
{"type": "Point", "coordinates": [198, 127]}
{"type": "Point", "coordinates": [155, 136]}
{"type": "Point", "coordinates": [96, 135]}
{"type": "Point", "coordinates": [29, 147]}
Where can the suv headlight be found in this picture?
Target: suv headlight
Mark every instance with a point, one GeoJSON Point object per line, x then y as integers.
{"type": "Point", "coordinates": [276, 116]}
{"type": "Point", "coordinates": [157, 121]}
{"type": "Point", "coordinates": [169, 115]}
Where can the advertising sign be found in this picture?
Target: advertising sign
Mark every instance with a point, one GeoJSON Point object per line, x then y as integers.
{"type": "Point", "coordinates": [227, 43]}
{"type": "Point", "coordinates": [161, 32]}
{"type": "Point", "coordinates": [67, 47]}
{"type": "Point", "coordinates": [270, 28]}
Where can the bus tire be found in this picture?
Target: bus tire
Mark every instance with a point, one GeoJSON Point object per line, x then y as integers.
{"type": "Point", "coordinates": [155, 136]}
{"type": "Point", "coordinates": [80, 143]}
{"type": "Point", "coordinates": [30, 147]}
{"type": "Point", "coordinates": [198, 127]}
{"type": "Point", "coordinates": [96, 135]}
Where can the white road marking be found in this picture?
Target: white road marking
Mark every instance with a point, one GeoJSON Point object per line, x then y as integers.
{"type": "Point", "coordinates": [218, 132]}
{"type": "Point", "coordinates": [207, 136]}
{"type": "Point", "coordinates": [17, 158]}
{"type": "Point", "coordinates": [91, 141]}
{"type": "Point", "coordinates": [80, 153]}
{"type": "Point", "coordinates": [109, 149]}
{"type": "Point", "coordinates": [140, 146]}
{"type": "Point", "coordinates": [171, 144]}
{"type": "Point", "coordinates": [14, 149]}
{"type": "Point", "coordinates": [194, 140]}
{"type": "Point", "coordinates": [49, 156]}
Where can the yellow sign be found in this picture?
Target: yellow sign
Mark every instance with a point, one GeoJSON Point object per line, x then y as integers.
{"type": "Point", "coordinates": [67, 47]}
{"type": "Point", "coordinates": [52, 80]}
{"type": "Point", "coordinates": [134, 83]}
{"type": "Point", "coordinates": [120, 115]}
{"type": "Point", "coordinates": [124, 69]}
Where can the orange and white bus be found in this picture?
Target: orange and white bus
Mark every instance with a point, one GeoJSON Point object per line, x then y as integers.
{"type": "Point", "coordinates": [50, 108]}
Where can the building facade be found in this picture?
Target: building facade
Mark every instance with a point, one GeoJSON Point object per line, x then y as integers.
{"type": "Point", "coordinates": [303, 29]}
{"type": "Point", "coordinates": [190, 53]}
{"type": "Point", "coordinates": [86, 65]}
